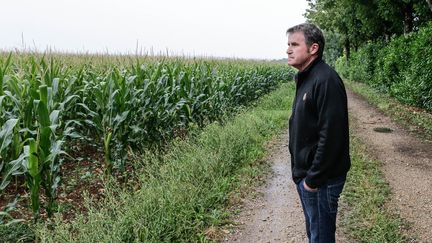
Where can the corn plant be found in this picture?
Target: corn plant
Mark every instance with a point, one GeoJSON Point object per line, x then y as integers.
{"type": "Point", "coordinates": [110, 98]}
{"type": "Point", "coordinates": [40, 129]}
{"type": "Point", "coordinates": [44, 150]}
{"type": "Point", "coordinates": [47, 101]}
{"type": "Point", "coordinates": [11, 156]}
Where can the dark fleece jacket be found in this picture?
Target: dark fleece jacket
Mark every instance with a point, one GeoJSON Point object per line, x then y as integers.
{"type": "Point", "coordinates": [318, 126]}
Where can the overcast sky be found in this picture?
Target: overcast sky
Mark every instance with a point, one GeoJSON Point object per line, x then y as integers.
{"type": "Point", "coordinates": [218, 28]}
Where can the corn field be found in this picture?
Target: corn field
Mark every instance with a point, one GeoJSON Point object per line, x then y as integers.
{"type": "Point", "coordinates": [119, 103]}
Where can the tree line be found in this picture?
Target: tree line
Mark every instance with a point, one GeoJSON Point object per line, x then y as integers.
{"type": "Point", "coordinates": [356, 22]}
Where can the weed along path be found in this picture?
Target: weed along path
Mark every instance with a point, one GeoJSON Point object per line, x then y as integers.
{"type": "Point", "coordinates": [406, 164]}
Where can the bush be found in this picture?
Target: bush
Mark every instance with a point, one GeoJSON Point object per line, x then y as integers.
{"type": "Point", "coordinates": [342, 66]}
{"type": "Point", "coordinates": [416, 88]}
{"type": "Point", "coordinates": [391, 63]}
{"type": "Point", "coordinates": [361, 65]}
{"type": "Point", "coordinates": [401, 67]}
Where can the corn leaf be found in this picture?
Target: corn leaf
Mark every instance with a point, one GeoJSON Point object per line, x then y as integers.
{"type": "Point", "coordinates": [6, 133]}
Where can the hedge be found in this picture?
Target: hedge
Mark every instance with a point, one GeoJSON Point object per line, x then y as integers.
{"type": "Point", "coordinates": [401, 67]}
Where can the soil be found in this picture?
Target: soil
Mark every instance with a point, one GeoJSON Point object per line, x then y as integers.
{"type": "Point", "coordinates": [406, 164]}
{"type": "Point", "coordinates": [276, 215]}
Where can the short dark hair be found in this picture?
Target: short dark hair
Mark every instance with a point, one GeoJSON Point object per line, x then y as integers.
{"type": "Point", "coordinates": [312, 35]}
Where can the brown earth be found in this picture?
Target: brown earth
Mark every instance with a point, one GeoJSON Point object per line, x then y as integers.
{"type": "Point", "coordinates": [276, 215]}
{"type": "Point", "coordinates": [77, 177]}
{"type": "Point", "coordinates": [406, 164]}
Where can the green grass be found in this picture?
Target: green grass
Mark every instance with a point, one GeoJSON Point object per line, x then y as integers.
{"type": "Point", "coordinates": [16, 233]}
{"type": "Point", "coordinates": [364, 214]}
{"type": "Point", "coordinates": [184, 191]}
{"type": "Point", "coordinates": [413, 119]}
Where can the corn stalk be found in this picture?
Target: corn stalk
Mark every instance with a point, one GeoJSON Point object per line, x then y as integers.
{"type": "Point", "coordinates": [110, 101]}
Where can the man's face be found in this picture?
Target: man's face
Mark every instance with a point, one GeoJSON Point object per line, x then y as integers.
{"type": "Point", "coordinates": [299, 54]}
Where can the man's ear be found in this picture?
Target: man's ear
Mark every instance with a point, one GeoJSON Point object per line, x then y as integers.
{"type": "Point", "coordinates": [313, 49]}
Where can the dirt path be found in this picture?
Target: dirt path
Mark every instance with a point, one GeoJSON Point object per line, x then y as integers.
{"type": "Point", "coordinates": [407, 166]}
{"type": "Point", "coordinates": [276, 215]}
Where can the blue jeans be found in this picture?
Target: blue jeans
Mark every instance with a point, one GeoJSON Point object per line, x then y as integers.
{"type": "Point", "coordinates": [320, 209]}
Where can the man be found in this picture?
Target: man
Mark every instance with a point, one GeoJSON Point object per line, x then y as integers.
{"type": "Point", "coordinates": [318, 132]}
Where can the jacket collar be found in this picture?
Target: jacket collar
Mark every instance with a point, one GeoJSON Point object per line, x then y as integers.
{"type": "Point", "coordinates": [301, 75]}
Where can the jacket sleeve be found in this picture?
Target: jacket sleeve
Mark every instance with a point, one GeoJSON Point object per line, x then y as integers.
{"type": "Point", "coordinates": [331, 107]}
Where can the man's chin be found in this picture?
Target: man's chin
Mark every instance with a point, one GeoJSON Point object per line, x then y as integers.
{"type": "Point", "coordinates": [292, 64]}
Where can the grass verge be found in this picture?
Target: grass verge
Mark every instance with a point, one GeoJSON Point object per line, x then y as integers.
{"type": "Point", "coordinates": [364, 216]}
{"type": "Point", "coordinates": [184, 191]}
{"type": "Point", "coordinates": [413, 119]}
